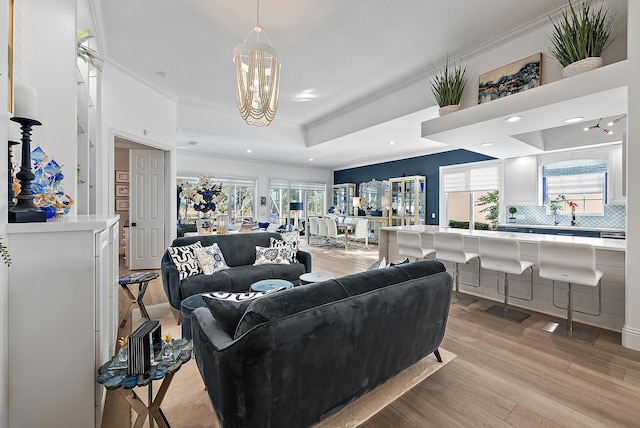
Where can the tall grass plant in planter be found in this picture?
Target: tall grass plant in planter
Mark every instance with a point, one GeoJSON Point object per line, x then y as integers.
{"type": "Point", "coordinates": [447, 85]}
{"type": "Point", "coordinates": [580, 35]}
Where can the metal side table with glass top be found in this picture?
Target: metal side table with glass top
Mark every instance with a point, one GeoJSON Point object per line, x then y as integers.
{"type": "Point", "coordinates": [113, 375]}
{"type": "Point", "coordinates": [142, 279]}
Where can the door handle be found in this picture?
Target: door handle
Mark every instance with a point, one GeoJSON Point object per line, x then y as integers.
{"type": "Point", "coordinates": [133, 225]}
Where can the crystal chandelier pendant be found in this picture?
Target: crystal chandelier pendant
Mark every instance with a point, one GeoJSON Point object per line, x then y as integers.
{"type": "Point", "coordinates": [257, 78]}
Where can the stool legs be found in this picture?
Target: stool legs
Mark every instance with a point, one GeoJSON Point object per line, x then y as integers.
{"type": "Point", "coordinates": [586, 336]}
{"type": "Point", "coordinates": [503, 311]}
{"type": "Point", "coordinates": [460, 300]}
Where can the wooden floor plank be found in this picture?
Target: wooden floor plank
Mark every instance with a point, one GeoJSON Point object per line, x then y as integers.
{"type": "Point", "coordinates": [525, 417]}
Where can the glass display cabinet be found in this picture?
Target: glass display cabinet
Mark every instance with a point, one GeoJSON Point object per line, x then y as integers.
{"type": "Point", "coordinates": [343, 195]}
{"type": "Point", "coordinates": [408, 201]}
{"type": "Point", "coordinates": [374, 193]}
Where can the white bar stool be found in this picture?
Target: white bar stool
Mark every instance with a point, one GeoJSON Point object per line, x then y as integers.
{"type": "Point", "coordinates": [410, 245]}
{"type": "Point", "coordinates": [450, 247]}
{"type": "Point", "coordinates": [573, 264]}
{"type": "Point", "coordinates": [503, 255]}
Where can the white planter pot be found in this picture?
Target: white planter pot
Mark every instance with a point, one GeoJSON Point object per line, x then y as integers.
{"type": "Point", "coordinates": [581, 66]}
{"type": "Point", "coordinates": [448, 109]}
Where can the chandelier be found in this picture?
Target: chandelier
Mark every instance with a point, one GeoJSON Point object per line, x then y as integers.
{"type": "Point", "coordinates": [609, 125]}
{"type": "Point", "coordinates": [257, 77]}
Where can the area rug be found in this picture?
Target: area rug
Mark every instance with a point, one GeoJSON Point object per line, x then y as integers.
{"type": "Point", "coordinates": [187, 404]}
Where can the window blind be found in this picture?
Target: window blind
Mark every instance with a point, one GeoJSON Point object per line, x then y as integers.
{"type": "Point", "coordinates": [471, 177]}
{"type": "Point", "coordinates": [277, 183]}
{"type": "Point", "coordinates": [575, 184]}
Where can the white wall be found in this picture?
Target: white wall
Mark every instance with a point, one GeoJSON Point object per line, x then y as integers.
{"type": "Point", "coordinates": [631, 329]}
{"type": "Point", "coordinates": [259, 170]}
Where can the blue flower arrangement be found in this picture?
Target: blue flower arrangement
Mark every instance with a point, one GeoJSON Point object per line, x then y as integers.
{"type": "Point", "coordinates": [204, 195]}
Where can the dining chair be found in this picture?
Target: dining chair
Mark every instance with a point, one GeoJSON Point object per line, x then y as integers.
{"type": "Point", "coordinates": [503, 255]}
{"type": "Point", "coordinates": [332, 232]}
{"type": "Point", "coordinates": [313, 230]}
{"type": "Point", "coordinates": [322, 231]}
{"type": "Point", "coordinates": [361, 232]}
{"type": "Point", "coordinates": [574, 264]}
{"type": "Point", "coordinates": [450, 247]}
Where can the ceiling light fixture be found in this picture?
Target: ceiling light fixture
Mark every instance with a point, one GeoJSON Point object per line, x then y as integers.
{"type": "Point", "coordinates": [573, 119]}
{"type": "Point", "coordinates": [249, 150]}
{"type": "Point", "coordinates": [487, 144]}
{"type": "Point", "coordinates": [513, 119]}
{"type": "Point", "coordinates": [257, 77]}
{"type": "Point", "coordinates": [597, 125]}
{"type": "Point", "coordinates": [613, 122]}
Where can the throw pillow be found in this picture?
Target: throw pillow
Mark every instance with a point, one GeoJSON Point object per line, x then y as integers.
{"type": "Point", "coordinates": [227, 308]}
{"type": "Point", "coordinates": [272, 227]}
{"type": "Point", "coordinates": [185, 260]}
{"type": "Point", "coordinates": [272, 256]}
{"type": "Point", "coordinates": [211, 259]}
{"type": "Point", "coordinates": [291, 246]}
{"type": "Point", "coordinates": [378, 265]}
{"type": "Point", "coordinates": [400, 262]}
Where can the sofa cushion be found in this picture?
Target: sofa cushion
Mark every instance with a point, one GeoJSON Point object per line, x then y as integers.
{"type": "Point", "coordinates": [287, 243]}
{"type": "Point", "coordinates": [272, 256]}
{"type": "Point", "coordinates": [382, 263]}
{"type": "Point", "coordinates": [227, 308]}
{"type": "Point", "coordinates": [307, 296]}
{"type": "Point", "coordinates": [295, 300]}
{"type": "Point", "coordinates": [185, 259]}
{"type": "Point", "coordinates": [211, 259]}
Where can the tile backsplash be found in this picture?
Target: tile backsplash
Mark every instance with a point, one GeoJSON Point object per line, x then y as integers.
{"type": "Point", "coordinates": [613, 218]}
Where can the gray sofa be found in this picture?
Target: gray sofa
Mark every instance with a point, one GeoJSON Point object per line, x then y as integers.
{"type": "Point", "coordinates": [302, 354]}
{"type": "Point", "coordinates": [239, 251]}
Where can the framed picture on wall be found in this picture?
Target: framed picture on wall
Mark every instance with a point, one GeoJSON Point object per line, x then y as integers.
{"type": "Point", "coordinates": [122, 205]}
{"type": "Point", "coordinates": [122, 190]}
{"type": "Point", "coordinates": [263, 200]}
{"type": "Point", "coordinates": [122, 176]}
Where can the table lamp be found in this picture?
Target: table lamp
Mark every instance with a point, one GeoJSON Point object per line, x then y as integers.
{"type": "Point", "coordinates": [296, 206]}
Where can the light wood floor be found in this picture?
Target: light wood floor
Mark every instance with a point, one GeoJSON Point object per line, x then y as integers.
{"type": "Point", "coordinates": [506, 374]}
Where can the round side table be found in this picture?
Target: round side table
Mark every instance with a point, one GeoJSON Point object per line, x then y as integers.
{"type": "Point", "coordinates": [311, 277]}
{"type": "Point", "coordinates": [187, 307]}
{"type": "Point", "coordinates": [270, 284]}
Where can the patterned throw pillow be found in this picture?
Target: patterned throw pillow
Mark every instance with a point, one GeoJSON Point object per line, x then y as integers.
{"type": "Point", "coordinates": [272, 256]}
{"type": "Point", "coordinates": [211, 259]}
{"type": "Point", "coordinates": [185, 260]}
{"type": "Point", "coordinates": [291, 246]}
{"type": "Point", "coordinates": [378, 265]}
{"type": "Point", "coordinates": [227, 308]}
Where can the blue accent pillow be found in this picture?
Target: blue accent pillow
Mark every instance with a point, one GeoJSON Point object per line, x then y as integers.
{"type": "Point", "coordinates": [263, 225]}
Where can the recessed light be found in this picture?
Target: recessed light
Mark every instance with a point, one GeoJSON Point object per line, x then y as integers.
{"type": "Point", "coordinates": [487, 144]}
{"type": "Point", "coordinates": [249, 150]}
{"type": "Point", "coordinates": [392, 143]}
{"type": "Point", "coordinates": [573, 119]}
{"type": "Point", "coordinates": [513, 119]}
{"type": "Point", "coordinates": [310, 159]}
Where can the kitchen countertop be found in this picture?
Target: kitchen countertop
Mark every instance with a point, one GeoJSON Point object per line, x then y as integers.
{"type": "Point", "coordinates": [560, 226]}
{"type": "Point", "coordinates": [597, 243]}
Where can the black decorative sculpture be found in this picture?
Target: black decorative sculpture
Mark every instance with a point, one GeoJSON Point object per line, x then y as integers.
{"type": "Point", "coordinates": [25, 211]}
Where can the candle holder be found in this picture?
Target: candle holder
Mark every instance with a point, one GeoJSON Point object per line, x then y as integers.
{"type": "Point", "coordinates": [25, 211]}
{"type": "Point", "coordinates": [10, 178]}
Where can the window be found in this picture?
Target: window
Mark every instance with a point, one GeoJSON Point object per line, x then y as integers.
{"type": "Point", "coordinates": [283, 192]}
{"type": "Point", "coordinates": [237, 199]}
{"type": "Point", "coordinates": [580, 181]}
{"type": "Point", "coordinates": [470, 195]}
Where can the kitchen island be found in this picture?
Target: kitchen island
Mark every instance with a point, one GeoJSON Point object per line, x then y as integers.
{"type": "Point", "coordinates": [610, 258]}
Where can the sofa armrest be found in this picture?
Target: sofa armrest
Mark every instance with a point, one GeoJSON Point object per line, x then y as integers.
{"type": "Point", "coordinates": [304, 258]}
{"type": "Point", "coordinates": [171, 281]}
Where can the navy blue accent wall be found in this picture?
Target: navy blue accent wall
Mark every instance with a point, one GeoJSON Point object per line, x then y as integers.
{"type": "Point", "coordinates": [428, 165]}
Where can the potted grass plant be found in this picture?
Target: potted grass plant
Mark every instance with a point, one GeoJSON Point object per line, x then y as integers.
{"type": "Point", "coordinates": [580, 35]}
{"type": "Point", "coordinates": [447, 84]}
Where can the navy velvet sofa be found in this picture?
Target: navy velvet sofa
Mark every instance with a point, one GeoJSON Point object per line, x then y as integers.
{"type": "Point", "coordinates": [302, 354]}
{"type": "Point", "coordinates": [239, 251]}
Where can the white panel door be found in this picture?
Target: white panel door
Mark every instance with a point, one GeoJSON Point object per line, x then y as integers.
{"type": "Point", "coordinates": [146, 208]}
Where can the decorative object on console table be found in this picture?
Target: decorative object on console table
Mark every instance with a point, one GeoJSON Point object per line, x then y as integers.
{"type": "Point", "coordinates": [25, 210]}
{"type": "Point", "coordinates": [510, 79]}
{"type": "Point", "coordinates": [512, 217]}
{"type": "Point", "coordinates": [580, 36]}
{"type": "Point", "coordinates": [447, 85]}
{"type": "Point", "coordinates": [47, 190]}
{"type": "Point", "coordinates": [10, 193]}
